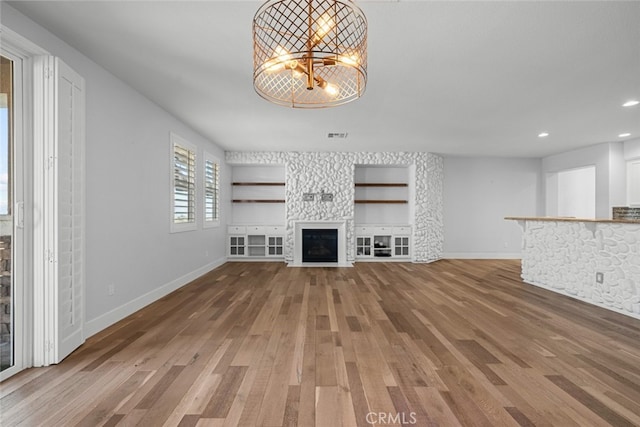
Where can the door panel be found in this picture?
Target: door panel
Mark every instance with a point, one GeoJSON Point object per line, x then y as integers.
{"type": "Point", "coordinates": [70, 225]}
{"type": "Point", "coordinates": [59, 195]}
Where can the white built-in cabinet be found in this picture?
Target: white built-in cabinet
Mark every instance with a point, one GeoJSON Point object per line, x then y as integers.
{"type": "Point", "coordinates": [255, 242]}
{"type": "Point", "coordinates": [383, 243]}
{"type": "Point", "coordinates": [383, 212]}
{"type": "Point", "coordinates": [258, 202]}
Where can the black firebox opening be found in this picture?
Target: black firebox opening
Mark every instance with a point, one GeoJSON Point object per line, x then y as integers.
{"type": "Point", "coordinates": [319, 245]}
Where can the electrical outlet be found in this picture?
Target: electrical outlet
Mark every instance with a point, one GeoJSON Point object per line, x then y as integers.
{"type": "Point", "coordinates": [599, 277]}
{"type": "Point", "coordinates": [206, 254]}
{"type": "Point", "coordinates": [111, 289]}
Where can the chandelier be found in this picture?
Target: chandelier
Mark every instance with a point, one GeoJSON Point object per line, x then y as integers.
{"type": "Point", "coordinates": [309, 53]}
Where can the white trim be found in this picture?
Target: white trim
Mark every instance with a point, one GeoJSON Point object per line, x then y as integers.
{"type": "Point", "coordinates": [482, 255]}
{"type": "Point", "coordinates": [14, 44]}
{"type": "Point", "coordinates": [45, 302]}
{"type": "Point", "coordinates": [51, 342]}
{"type": "Point", "coordinates": [20, 170]}
{"type": "Point", "coordinates": [102, 322]}
{"type": "Point", "coordinates": [19, 45]}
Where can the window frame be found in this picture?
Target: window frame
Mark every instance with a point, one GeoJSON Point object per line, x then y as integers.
{"type": "Point", "coordinates": [26, 312]}
{"type": "Point", "coordinates": [208, 157]}
{"type": "Point", "coordinates": [178, 227]}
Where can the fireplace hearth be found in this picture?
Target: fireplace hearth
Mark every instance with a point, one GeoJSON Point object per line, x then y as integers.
{"type": "Point", "coordinates": [319, 245]}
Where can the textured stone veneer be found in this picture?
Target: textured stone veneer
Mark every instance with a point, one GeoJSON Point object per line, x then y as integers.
{"type": "Point", "coordinates": [333, 172]}
{"type": "Point", "coordinates": [564, 257]}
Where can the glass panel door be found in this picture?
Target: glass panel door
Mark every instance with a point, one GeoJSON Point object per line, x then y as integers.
{"type": "Point", "coordinates": [7, 291]}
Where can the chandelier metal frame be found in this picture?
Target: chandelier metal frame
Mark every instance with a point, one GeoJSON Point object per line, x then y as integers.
{"type": "Point", "coordinates": [309, 53]}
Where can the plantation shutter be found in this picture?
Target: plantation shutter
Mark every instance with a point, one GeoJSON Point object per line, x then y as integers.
{"type": "Point", "coordinates": [184, 184]}
{"type": "Point", "coordinates": [210, 190]}
{"type": "Point", "coordinates": [59, 194]}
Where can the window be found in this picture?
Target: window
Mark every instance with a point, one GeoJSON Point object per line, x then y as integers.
{"type": "Point", "coordinates": [7, 288]}
{"type": "Point", "coordinates": [211, 191]}
{"type": "Point", "coordinates": [6, 89]}
{"type": "Point", "coordinates": [183, 165]}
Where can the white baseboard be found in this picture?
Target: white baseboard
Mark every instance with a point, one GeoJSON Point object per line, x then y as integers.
{"type": "Point", "coordinates": [102, 322]}
{"type": "Point", "coordinates": [481, 255]}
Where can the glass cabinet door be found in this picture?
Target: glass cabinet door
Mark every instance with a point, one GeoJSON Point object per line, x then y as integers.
{"type": "Point", "coordinates": [363, 246]}
{"type": "Point", "coordinates": [236, 245]}
{"type": "Point", "coordinates": [275, 245]}
{"type": "Point", "coordinates": [401, 246]}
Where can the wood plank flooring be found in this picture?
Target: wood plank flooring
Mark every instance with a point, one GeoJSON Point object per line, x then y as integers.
{"type": "Point", "coordinates": [455, 342]}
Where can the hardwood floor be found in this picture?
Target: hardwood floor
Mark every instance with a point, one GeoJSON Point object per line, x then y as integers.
{"type": "Point", "coordinates": [449, 343]}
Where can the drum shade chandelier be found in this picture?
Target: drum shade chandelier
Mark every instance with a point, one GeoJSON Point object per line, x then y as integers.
{"type": "Point", "coordinates": [309, 53]}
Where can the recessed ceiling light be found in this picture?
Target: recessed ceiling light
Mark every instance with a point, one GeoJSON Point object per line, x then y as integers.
{"type": "Point", "coordinates": [543, 134]}
{"type": "Point", "coordinates": [631, 103]}
{"type": "Point", "coordinates": [624, 135]}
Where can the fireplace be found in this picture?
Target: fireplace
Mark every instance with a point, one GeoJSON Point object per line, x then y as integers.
{"type": "Point", "coordinates": [319, 245]}
{"type": "Point", "coordinates": [326, 244]}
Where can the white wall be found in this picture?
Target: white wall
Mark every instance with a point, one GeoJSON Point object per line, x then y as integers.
{"type": "Point", "coordinates": [617, 177]}
{"type": "Point", "coordinates": [478, 194]}
{"type": "Point", "coordinates": [632, 157]}
{"type": "Point", "coordinates": [128, 198]}
{"type": "Point", "coordinates": [632, 149]}
{"type": "Point", "coordinates": [577, 192]}
{"type": "Point", "coordinates": [263, 213]}
{"type": "Point", "coordinates": [382, 213]}
{"type": "Point", "coordinates": [608, 161]}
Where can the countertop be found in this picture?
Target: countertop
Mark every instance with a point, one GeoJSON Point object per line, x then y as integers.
{"type": "Point", "coordinates": [571, 219]}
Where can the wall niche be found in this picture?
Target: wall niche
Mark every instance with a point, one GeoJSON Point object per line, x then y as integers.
{"type": "Point", "coordinates": [334, 173]}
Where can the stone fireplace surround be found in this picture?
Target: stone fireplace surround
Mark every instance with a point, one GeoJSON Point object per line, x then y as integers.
{"type": "Point", "coordinates": [333, 172]}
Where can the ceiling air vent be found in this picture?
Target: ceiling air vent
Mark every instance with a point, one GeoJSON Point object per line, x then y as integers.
{"type": "Point", "coordinates": [337, 135]}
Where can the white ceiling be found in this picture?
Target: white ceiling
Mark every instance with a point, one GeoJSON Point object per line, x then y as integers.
{"type": "Point", "coordinates": [457, 78]}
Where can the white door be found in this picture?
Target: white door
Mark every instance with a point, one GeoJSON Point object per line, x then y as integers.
{"type": "Point", "coordinates": [59, 195]}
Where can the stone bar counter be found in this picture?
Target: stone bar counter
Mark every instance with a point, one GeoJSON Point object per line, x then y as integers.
{"type": "Point", "coordinates": [596, 261]}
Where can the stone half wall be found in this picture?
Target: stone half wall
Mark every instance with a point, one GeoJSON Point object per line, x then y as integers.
{"type": "Point", "coordinates": [333, 172]}
{"type": "Point", "coordinates": [565, 256]}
